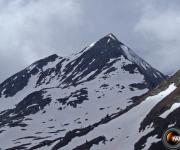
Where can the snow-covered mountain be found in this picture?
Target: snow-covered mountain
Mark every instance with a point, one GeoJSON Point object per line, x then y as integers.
{"type": "Point", "coordinates": [94, 99]}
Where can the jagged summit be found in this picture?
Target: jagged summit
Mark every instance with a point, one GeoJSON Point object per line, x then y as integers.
{"type": "Point", "coordinates": [114, 48]}
{"type": "Point", "coordinates": [108, 40]}
{"type": "Point", "coordinates": [112, 36]}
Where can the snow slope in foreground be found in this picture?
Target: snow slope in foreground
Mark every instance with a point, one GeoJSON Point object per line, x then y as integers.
{"type": "Point", "coordinates": [123, 132]}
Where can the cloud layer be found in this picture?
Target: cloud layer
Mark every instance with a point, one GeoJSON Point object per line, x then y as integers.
{"type": "Point", "coordinates": [161, 28]}
{"type": "Point", "coordinates": [30, 30]}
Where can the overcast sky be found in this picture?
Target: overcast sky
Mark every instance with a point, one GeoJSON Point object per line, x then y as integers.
{"type": "Point", "coordinates": [33, 29]}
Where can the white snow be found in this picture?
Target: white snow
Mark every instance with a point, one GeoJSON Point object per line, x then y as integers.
{"type": "Point", "coordinates": [92, 44]}
{"type": "Point", "coordinates": [159, 74]}
{"type": "Point", "coordinates": [132, 56]}
{"type": "Point", "coordinates": [149, 142]}
{"type": "Point", "coordinates": [51, 64]}
{"type": "Point", "coordinates": [31, 105]}
{"type": "Point", "coordinates": [90, 74]}
{"type": "Point", "coordinates": [15, 78]}
{"type": "Point", "coordinates": [155, 75]}
{"type": "Point", "coordinates": [173, 107]}
{"type": "Point", "coordinates": [111, 36]}
{"type": "Point", "coordinates": [129, 124]}
{"type": "Point", "coordinates": [108, 41]}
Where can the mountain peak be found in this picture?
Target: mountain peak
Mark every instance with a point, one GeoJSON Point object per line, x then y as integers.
{"type": "Point", "coordinates": [109, 40]}
{"type": "Point", "coordinates": [111, 36]}
{"type": "Point", "coordinates": [54, 100]}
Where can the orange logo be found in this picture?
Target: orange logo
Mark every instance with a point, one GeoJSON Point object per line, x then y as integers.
{"type": "Point", "coordinates": [171, 138]}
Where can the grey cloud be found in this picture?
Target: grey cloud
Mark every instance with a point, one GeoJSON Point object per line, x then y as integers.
{"type": "Point", "coordinates": [30, 30]}
{"type": "Point", "coordinates": [160, 29]}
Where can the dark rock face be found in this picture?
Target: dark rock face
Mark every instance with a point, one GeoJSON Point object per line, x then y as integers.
{"type": "Point", "coordinates": [79, 97]}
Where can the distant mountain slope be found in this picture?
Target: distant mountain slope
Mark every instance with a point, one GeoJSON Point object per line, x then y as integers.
{"type": "Point", "coordinates": [55, 101]}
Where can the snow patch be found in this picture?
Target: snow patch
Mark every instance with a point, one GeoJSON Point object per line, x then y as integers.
{"type": "Point", "coordinates": [173, 107]}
